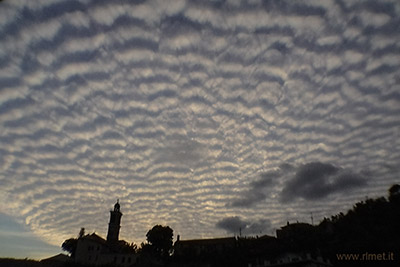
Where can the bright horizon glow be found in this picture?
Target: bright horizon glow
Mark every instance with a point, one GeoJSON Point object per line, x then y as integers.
{"type": "Point", "coordinates": [20, 243]}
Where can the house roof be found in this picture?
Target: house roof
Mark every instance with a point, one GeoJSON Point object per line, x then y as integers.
{"type": "Point", "coordinates": [95, 237]}
{"type": "Point", "coordinates": [59, 257]}
{"type": "Point", "coordinates": [297, 226]}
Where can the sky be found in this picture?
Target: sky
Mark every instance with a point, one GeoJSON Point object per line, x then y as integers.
{"type": "Point", "coordinates": [206, 116]}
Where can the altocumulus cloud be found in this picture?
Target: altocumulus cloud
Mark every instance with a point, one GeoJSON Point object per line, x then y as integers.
{"type": "Point", "coordinates": [180, 107]}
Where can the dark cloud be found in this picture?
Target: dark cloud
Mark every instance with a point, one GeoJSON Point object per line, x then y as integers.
{"type": "Point", "coordinates": [258, 227]}
{"type": "Point", "coordinates": [286, 167]}
{"type": "Point", "coordinates": [258, 189]}
{"type": "Point", "coordinates": [266, 179]}
{"type": "Point", "coordinates": [250, 198]}
{"type": "Point", "coordinates": [235, 225]}
{"type": "Point", "coordinates": [232, 224]}
{"type": "Point", "coordinates": [317, 180]}
{"type": "Point", "coordinates": [311, 181]}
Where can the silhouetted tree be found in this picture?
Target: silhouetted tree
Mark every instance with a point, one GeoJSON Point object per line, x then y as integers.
{"type": "Point", "coordinates": [160, 240]}
{"type": "Point", "coordinates": [370, 226]}
{"type": "Point", "coordinates": [394, 193]}
{"type": "Point", "coordinates": [70, 245]}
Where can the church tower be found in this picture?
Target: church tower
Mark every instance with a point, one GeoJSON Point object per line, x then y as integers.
{"type": "Point", "coordinates": [115, 223]}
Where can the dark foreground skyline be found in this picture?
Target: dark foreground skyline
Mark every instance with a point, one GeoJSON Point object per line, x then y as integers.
{"type": "Point", "coordinates": [200, 115]}
{"type": "Point", "coordinates": [366, 235]}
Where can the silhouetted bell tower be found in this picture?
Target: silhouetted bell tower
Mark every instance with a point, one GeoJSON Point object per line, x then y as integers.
{"type": "Point", "coordinates": [115, 223]}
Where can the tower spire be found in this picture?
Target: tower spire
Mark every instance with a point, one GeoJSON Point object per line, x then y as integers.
{"type": "Point", "coordinates": [115, 223]}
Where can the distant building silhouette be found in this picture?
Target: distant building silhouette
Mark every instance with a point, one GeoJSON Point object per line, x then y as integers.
{"type": "Point", "coordinates": [94, 250]}
{"type": "Point", "coordinates": [293, 230]}
{"type": "Point", "coordinates": [203, 246]}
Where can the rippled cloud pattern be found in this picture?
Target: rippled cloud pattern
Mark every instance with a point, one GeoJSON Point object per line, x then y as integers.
{"type": "Point", "coordinates": [200, 115]}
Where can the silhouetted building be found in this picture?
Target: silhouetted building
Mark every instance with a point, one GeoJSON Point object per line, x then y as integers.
{"type": "Point", "coordinates": [94, 250]}
{"type": "Point", "coordinates": [204, 246]}
{"type": "Point", "coordinates": [295, 230]}
{"type": "Point", "coordinates": [264, 247]}
{"type": "Point", "coordinates": [228, 251]}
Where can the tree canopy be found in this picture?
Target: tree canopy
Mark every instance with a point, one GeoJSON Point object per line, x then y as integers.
{"type": "Point", "coordinates": [70, 245]}
{"type": "Point", "coordinates": [160, 239]}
